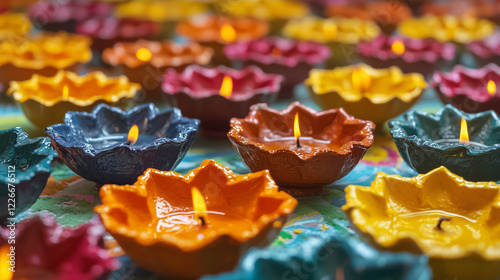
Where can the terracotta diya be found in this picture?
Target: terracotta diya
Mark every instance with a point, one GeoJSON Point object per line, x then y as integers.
{"type": "Point", "coordinates": [486, 51]}
{"type": "Point", "coordinates": [13, 26]}
{"type": "Point", "coordinates": [200, 224]}
{"type": "Point", "coordinates": [145, 62]}
{"type": "Point", "coordinates": [410, 55]}
{"type": "Point", "coordinates": [216, 32]}
{"type": "Point", "coordinates": [453, 221]}
{"type": "Point", "coordinates": [278, 55]}
{"type": "Point", "coordinates": [470, 90]}
{"type": "Point", "coordinates": [25, 166]}
{"type": "Point", "coordinates": [111, 146]}
{"type": "Point", "coordinates": [466, 144]}
{"type": "Point", "coordinates": [456, 8]}
{"type": "Point", "coordinates": [366, 93]}
{"type": "Point", "coordinates": [304, 150]}
{"type": "Point", "coordinates": [216, 95]}
{"type": "Point", "coordinates": [489, 10]}
{"type": "Point", "coordinates": [45, 100]}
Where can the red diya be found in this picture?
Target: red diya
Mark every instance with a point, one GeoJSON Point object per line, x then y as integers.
{"type": "Point", "coordinates": [145, 61]}
{"type": "Point", "coordinates": [470, 90]}
{"type": "Point", "coordinates": [486, 51]}
{"type": "Point", "coordinates": [108, 31]}
{"type": "Point", "coordinates": [278, 55]}
{"type": "Point", "coordinates": [216, 32]}
{"type": "Point", "coordinates": [303, 149]}
{"type": "Point", "coordinates": [411, 55]}
{"type": "Point", "coordinates": [216, 95]}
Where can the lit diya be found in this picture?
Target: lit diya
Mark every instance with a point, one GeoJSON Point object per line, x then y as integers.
{"type": "Point", "coordinates": [340, 34]}
{"type": "Point", "coordinates": [278, 55]}
{"type": "Point", "coordinates": [486, 51]}
{"type": "Point", "coordinates": [112, 146]}
{"type": "Point", "coordinates": [44, 54]}
{"type": "Point", "coordinates": [470, 90]}
{"type": "Point", "coordinates": [145, 62]}
{"type": "Point", "coordinates": [464, 143]}
{"type": "Point", "coordinates": [304, 150]}
{"type": "Point", "coordinates": [13, 26]}
{"type": "Point", "coordinates": [216, 95]}
{"type": "Point", "coordinates": [184, 227]}
{"type": "Point", "coordinates": [366, 93]}
{"type": "Point", "coordinates": [410, 55]}
{"type": "Point", "coordinates": [453, 221]}
{"type": "Point", "coordinates": [216, 32]}
{"type": "Point", "coordinates": [67, 91]}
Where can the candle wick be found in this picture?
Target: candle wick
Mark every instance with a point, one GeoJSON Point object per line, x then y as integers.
{"type": "Point", "coordinates": [203, 222]}
{"type": "Point", "coordinates": [298, 142]}
{"type": "Point", "coordinates": [128, 143]}
{"type": "Point", "coordinates": [441, 220]}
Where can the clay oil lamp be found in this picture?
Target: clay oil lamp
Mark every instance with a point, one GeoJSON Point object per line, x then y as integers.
{"type": "Point", "coordinates": [331, 254]}
{"type": "Point", "coordinates": [145, 62]}
{"type": "Point", "coordinates": [276, 12]}
{"type": "Point", "coordinates": [112, 146]}
{"type": "Point", "coordinates": [105, 32]}
{"type": "Point", "coordinates": [56, 16]}
{"type": "Point", "coordinates": [304, 150]}
{"type": "Point", "coordinates": [410, 55]}
{"type": "Point", "coordinates": [216, 95]}
{"type": "Point", "coordinates": [45, 100]}
{"type": "Point", "coordinates": [216, 32]}
{"type": "Point", "coordinates": [278, 55]}
{"type": "Point", "coordinates": [166, 13]}
{"type": "Point", "coordinates": [489, 10]}
{"type": "Point", "coordinates": [387, 14]}
{"type": "Point", "coordinates": [470, 90]}
{"type": "Point", "coordinates": [366, 93]}
{"type": "Point", "coordinates": [340, 34]}
{"type": "Point", "coordinates": [13, 26]}
{"type": "Point", "coordinates": [453, 221]}
{"type": "Point", "coordinates": [464, 143]}
{"type": "Point", "coordinates": [456, 8]}
{"type": "Point", "coordinates": [44, 250]}
{"type": "Point", "coordinates": [486, 51]}
{"type": "Point", "coordinates": [25, 166]}
{"type": "Point", "coordinates": [44, 54]}
{"type": "Point", "coordinates": [184, 227]}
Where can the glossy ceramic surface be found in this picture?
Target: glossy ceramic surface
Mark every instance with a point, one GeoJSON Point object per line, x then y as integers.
{"type": "Point", "coordinates": [80, 142]}
{"type": "Point", "coordinates": [453, 221]}
{"type": "Point", "coordinates": [416, 136]}
{"type": "Point", "coordinates": [301, 171]}
{"type": "Point", "coordinates": [13, 26]}
{"type": "Point", "coordinates": [133, 213]}
{"type": "Point", "coordinates": [30, 162]}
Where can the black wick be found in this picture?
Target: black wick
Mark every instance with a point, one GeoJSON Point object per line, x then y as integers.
{"type": "Point", "coordinates": [129, 142]}
{"type": "Point", "coordinates": [298, 142]}
{"type": "Point", "coordinates": [441, 220]}
{"type": "Point", "coordinates": [203, 222]}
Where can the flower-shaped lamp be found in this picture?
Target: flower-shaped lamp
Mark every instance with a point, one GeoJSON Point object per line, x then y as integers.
{"type": "Point", "coordinates": [13, 26]}
{"type": "Point", "coordinates": [25, 166]}
{"type": "Point", "coordinates": [453, 221]}
{"type": "Point", "coordinates": [277, 55]}
{"type": "Point", "coordinates": [330, 145]}
{"type": "Point", "coordinates": [486, 51]}
{"type": "Point", "coordinates": [66, 91]}
{"type": "Point", "coordinates": [96, 145]}
{"type": "Point", "coordinates": [157, 224]}
{"type": "Point", "coordinates": [427, 141]}
{"type": "Point", "coordinates": [197, 92]}
{"type": "Point", "coordinates": [365, 92]}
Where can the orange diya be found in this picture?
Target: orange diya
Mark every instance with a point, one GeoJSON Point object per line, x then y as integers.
{"type": "Point", "coordinates": [184, 227]}
{"type": "Point", "coordinates": [13, 26]}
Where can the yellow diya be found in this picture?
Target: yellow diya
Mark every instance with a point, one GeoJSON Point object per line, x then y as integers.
{"type": "Point", "coordinates": [447, 28]}
{"type": "Point", "coordinates": [14, 25]}
{"type": "Point", "coordinates": [45, 100]}
{"type": "Point", "coordinates": [340, 34]}
{"type": "Point", "coordinates": [455, 222]}
{"type": "Point", "coordinates": [364, 92]}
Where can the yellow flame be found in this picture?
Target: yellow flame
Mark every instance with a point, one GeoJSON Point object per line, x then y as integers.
{"type": "Point", "coordinates": [133, 134]}
{"type": "Point", "coordinates": [360, 79]}
{"type": "Point", "coordinates": [492, 87]}
{"type": "Point", "coordinates": [227, 33]}
{"type": "Point", "coordinates": [65, 92]}
{"type": "Point", "coordinates": [5, 273]}
{"type": "Point", "coordinates": [144, 54]}
{"type": "Point", "coordinates": [199, 206]}
{"type": "Point", "coordinates": [398, 47]}
{"type": "Point", "coordinates": [226, 88]}
{"type": "Point", "coordinates": [296, 127]}
{"type": "Point", "coordinates": [464, 133]}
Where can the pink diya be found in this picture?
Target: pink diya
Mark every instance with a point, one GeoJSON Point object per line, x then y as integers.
{"type": "Point", "coordinates": [411, 55]}
{"type": "Point", "coordinates": [46, 251]}
{"type": "Point", "coordinates": [277, 55]}
{"type": "Point", "coordinates": [486, 51]}
{"type": "Point", "coordinates": [470, 90]}
{"type": "Point", "coordinates": [216, 95]}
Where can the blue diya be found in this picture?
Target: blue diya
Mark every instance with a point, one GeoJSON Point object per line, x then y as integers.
{"type": "Point", "coordinates": [329, 257]}
{"type": "Point", "coordinates": [100, 146]}
{"type": "Point", "coordinates": [427, 141]}
{"type": "Point", "coordinates": [25, 166]}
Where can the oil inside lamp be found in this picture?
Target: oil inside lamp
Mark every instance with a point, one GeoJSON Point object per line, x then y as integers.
{"type": "Point", "coordinates": [464, 138]}
{"type": "Point", "coordinates": [398, 47]}
{"type": "Point", "coordinates": [491, 87]}
{"type": "Point", "coordinates": [227, 33]}
{"type": "Point", "coordinates": [226, 88]}
{"type": "Point", "coordinates": [144, 54]}
{"type": "Point", "coordinates": [133, 134]}
{"type": "Point", "coordinates": [361, 80]}
{"type": "Point", "coordinates": [296, 129]}
{"type": "Point", "coordinates": [199, 206]}
{"type": "Point", "coordinates": [65, 94]}
{"type": "Point", "coordinates": [132, 138]}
